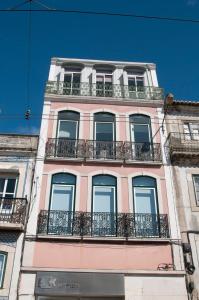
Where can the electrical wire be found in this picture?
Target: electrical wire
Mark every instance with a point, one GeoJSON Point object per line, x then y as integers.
{"type": "Point", "coordinates": [104, 13]}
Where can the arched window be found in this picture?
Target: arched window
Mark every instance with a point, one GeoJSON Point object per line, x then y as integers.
{"type": "Point", "coordinates": [145, 195]}
{"type": "Point", "coordinates": [104, 136]}
{"type": "Point", "coordinates": [72, 79]}
{"type": "Point", "coordinates": [140, 128]}
{"type": "Point", "coordinates": [104, 81]}
{"type": "Point", "coordinates": [68, 124]}
{"type": "Point", "coordinates": [63, 192]}
{"type": "Point", "coordinates": [140, 131]}
{"type": "Point", "coordinates": [147, 221]}
{"type": "Point", "coordinates": [3, 258]}
{"type": "Point", "coordinates": [104, 205]}
{"type": "Point", "coordinates": [104, 129]}
{"type": "Point", "coordinates": [62, 204]}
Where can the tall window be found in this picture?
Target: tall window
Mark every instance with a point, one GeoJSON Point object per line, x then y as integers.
{"type": "Point", "coordinates": [140, 129]}
{"type": "Point", "coordinates": [104, 85]}
{"type": "Point", "coordinates": [104, 205]}
{"type": "Point", "coordinates": [191, 131]}
{"type": "Point", "coordinates": [67, 133]}
{"type": "Point", "coordinates": [104, 135]}
{"type": "Point", "coordinates": [62, 203]}
{"type": "Point", "coordinates": [68, 125]}
{"type": "Point", "coordinates": [72, 79]}
{"type": "Point", "coordinates": [7, 193]}
{"type": "Point", "coordinates": [196, 188]}
{"type": "Point", "coordinates": [145, 206]}
{"type": "Point", "coordinates": [135, 82]}
{"type": "Point", "coordinates": [3, 257]}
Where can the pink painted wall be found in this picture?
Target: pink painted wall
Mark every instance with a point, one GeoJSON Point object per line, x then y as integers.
{"type": "Point", "coordinates": [86, 170]}
{"type": "Point", "coordinates": [86, 109]}
{"type": "Point", "coordinates": [100, 256]}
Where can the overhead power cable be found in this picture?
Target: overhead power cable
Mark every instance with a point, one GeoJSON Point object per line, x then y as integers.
{"type": "Point", "coordinates": [103, 13]}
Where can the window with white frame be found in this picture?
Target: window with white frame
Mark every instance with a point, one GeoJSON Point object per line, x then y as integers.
{"type": "Point", "coordinates": [196, 188]}
{"type": "Point", "coordinates": [72, 79]}
{"type": "Point", "coordinates": [191, 131]}
{"type": "Point", "coordinates": [3, 258]}
{"type": "Point", "coordinates": [7, 192]}
{"type": "Point", "coordinates": [104, 205]}
{"type": "Point", "coordinates": [104, 84]}
{"type": "Point", "coordinates": [145, 204]}
{"type": "Point", "coordinates": [62, 203]}
{"type": "Point", "coordinates": [135, 80]}
{"type": "Point", "coordinates": [104, 135]}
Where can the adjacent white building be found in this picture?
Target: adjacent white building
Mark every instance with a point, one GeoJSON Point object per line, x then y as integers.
{"type": "Point", "coordinates": [17, 162]}
{"type": "Point", "coordinates": [182, 148]}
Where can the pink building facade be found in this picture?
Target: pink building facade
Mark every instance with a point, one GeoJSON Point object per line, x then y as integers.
{"type": "Point", "coordinates": [103, 219]}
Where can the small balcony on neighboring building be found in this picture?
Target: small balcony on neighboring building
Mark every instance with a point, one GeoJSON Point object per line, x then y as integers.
{"type": "Point", "coordinates": [102, 225]}
{"type": "Point", "coordinates": [183, 147]}
{"type": "Point", "coordinates": [103, 151]}
{"type": "Point", "coordinates": [12, 213]}
{"type": "Point", "coordinates": [104, 90]}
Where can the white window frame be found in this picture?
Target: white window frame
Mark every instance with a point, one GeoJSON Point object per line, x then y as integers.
{"type": "Point", "coordinates": [3, 268]}
{"type": "Point", "coordinates": [132, 131]}
{"type": "Point", "coordinates": [4, 193]}
{"type": "Point", "coordinates": [71, 82]}
{"type": "Point", "coordinates": [190, 134]}
{"type": "Point", "coordinates": [145, 188]}
{"type": "Point", "coordinates": [63, 185]}
{"type": "Point", "coordinates": [58, 132]}
{"type": "Point", "coordinates": [101, 122]}
{"type": "Point", "coordinates": [104, 186]}
{"type": "Point", "coordinates": [104, 81]}
{"type": "Point", "coordinates": [195, 189]}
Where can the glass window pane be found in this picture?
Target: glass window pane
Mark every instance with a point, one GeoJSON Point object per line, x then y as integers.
{"type": "Point", "coordinates": [2, 182]}
{"type": "Point", "coordinates": [108, 78]}
{"type": "Point", "coordinates": [11, 186]}
{"type": "Point", "coordinates": [140, 81]}
{"type": "Point", "coordinates": [145, 200]}
{"type": "Point", "coordinates": [104, 117]}
{"type": "Point", "coordinates": [104, 131]}
{"type": "Point", "coordinates": [140, 133]}
{"type": "Point", "coordinates": [76, 78]}
{"type": "Point", "coordinates": [100, 78]}
{"type": "Point", "coordinates": [68, 129]}
{"type": "Point", "coordinates": [68, 78]}
{"type": "Point", "coordinates": [64, 178]}
{"type": "Point", "coordinates": [131, 82]}
{"type": "Point", "coordinates": [68, 115]}
{"type": "Point", "coordinates": [62, 198]}
{"type": "Point", "coordinates": [104, 180]}
{"type": "Point", "coordinates": [144, 181]}
{"type": "Point", "coordinates": [140, 119]}
{"type": "Point", "coordinates": [2, 267]}
{"type": "Point", "coordinates": [196, 186]}
{"type": "Point", "coordinates": [104, 199]}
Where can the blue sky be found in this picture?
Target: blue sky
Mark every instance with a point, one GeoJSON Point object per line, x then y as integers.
{"type": "Point", "coordinates": [174, 47]}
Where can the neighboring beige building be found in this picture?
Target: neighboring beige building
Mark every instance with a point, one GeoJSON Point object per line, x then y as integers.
{"type": "Point", "coordinates": [17, 161]}
{"type": "Point", "coordinates": [182, 146]}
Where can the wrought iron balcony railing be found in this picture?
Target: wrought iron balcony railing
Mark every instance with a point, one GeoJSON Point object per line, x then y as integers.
{"type": "Point", "coordinates": [13, 210]}
{"type": "Point", "coordinates": [142, 151]}
{"type": "Point", "coordinates": [102, 150]}
{"type": "Point", "coordinates": [65, 148]}
{"type": "Point", "coordinates": [104, 90]}
{"type": "Point", "coordinates": [102, 224]}
{"type": "Point", "coordinates": [183, 143]}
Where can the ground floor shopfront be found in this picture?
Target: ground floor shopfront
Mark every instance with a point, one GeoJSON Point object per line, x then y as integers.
{"type": "Point", "coordinates": [47, 285]}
